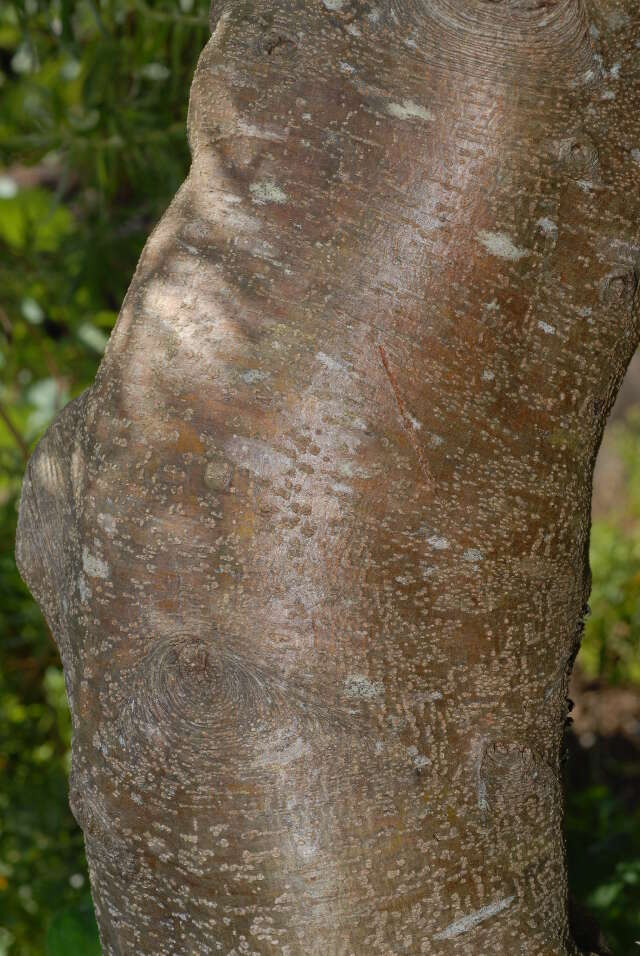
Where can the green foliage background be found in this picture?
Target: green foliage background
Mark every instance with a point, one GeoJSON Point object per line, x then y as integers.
{"type": "Point", "coordinates": [93, 97]}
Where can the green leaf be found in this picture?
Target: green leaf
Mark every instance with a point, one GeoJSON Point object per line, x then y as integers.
{"type": "Point", "coordinates": [92, 337]}
{"type": "Point", "coordinates": [66, 11]}
{"type": "Point", "coordinates": [603, 896]}
{"type": "Point", "coordinates": [33, 216]}
{"type": "Point", "coordinates": [74, 931]}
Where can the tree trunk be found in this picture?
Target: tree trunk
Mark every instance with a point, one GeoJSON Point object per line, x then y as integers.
{"type": "Point", "coordinates": [314, 545]}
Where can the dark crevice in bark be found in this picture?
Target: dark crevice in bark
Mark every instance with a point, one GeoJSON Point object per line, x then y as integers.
{"type": "Point", "coordinates": [585, 931]}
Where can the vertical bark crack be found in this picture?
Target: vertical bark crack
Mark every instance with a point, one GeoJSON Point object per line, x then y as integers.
{"type": "Point", "coordinates": [408, 422]}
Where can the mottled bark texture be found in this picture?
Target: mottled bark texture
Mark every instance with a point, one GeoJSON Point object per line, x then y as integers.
{"type": "Point", "coordinates": [314, 545]}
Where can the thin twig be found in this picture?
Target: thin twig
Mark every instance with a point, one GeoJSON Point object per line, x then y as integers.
{"type": "Point", "coordinates": [166, 15]}
{"type": "Point", "coordinates": [24, 448]}
{"type": "Point", "coordinates": [5, 322]}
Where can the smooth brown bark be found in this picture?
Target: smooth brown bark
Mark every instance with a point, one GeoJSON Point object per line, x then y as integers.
{"type": "Point", "coordinates": [313, 546]}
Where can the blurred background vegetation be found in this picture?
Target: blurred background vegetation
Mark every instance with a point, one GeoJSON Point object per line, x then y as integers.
{"type": "Point", "coordinates": [93, 97]}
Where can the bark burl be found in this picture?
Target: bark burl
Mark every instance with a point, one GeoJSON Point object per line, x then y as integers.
{"type": "Point", "coordinates": [314, 544]}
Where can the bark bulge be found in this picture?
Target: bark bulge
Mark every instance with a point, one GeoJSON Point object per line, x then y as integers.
{"type": "Point", "coordinates": [313, 546]}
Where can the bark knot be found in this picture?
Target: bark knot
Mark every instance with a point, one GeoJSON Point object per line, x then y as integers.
{"type": "Point", "coordinates": [275, 44]}
{"type": "Point", "coordinates": [619, 288]}
{"type": "Point", "coordinates": [580, 156]}
{"type": "Point", "coordinates": [509, 775]}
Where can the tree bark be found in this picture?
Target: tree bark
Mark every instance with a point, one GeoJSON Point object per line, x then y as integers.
{"type": "Point", "coordinates": [314, 544]}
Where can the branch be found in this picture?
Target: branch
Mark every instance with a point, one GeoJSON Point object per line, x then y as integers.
{"type": "Point", "coordinates": [24, 448]}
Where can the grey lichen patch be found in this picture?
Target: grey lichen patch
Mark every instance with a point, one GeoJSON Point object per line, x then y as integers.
{"type": "Point", "coordinates": [83, 589]}
{"type": "Point", "coordinates": [347, 469]}
{"type": "Point", "coordinates": [95, 567]}
{"type": "Point", "coordinates": [438, 542]}
{"type": "Point", "coordinates": [254, 375]}
{"type": "Point", "coordinates": [265, 192]}
{"type": "Point", "coordinates": [473, 555]}
{"type": "Point", "coordinates": [546, 328]}
{"type": "Point", "coordinates": [217, 473]}
{"type": "Point", "coordinates": [107, 522]}
{"type": "Point", "coordinates": [410, 110]}
{"type": "Point", "coordinates": [547, 226]}
{"type": "Point", "coordinates": [258, 457]}
{"type": "Point", "coordinates": [331, 363]}
{"type": "Point", "coordinates": [419, 761]}
{"type": "Point", "coordinates": [501, 245]}
{"type": "Point", "coordinates": [359, 686]}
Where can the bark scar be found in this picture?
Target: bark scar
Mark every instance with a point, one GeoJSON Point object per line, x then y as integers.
{"type": "Point", "coordinates": [466, 923]}
{"type": "Point", "coordinates": [407, 421]}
